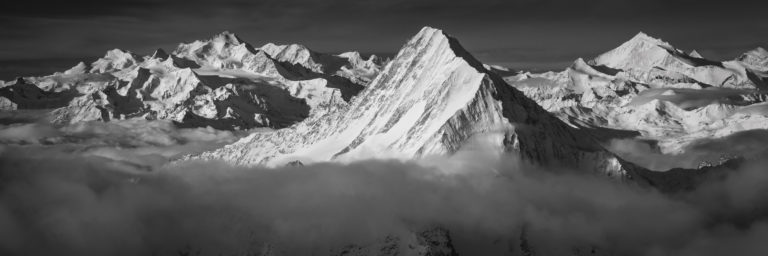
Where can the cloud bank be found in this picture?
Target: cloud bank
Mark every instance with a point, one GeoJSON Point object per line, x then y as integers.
{"type": "Point", "coordinates": [98, 190]}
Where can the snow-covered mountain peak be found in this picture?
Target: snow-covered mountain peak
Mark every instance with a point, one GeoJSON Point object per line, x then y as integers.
{"type": "Point", "coordinates": [272, 48]}
{"type": "Point", "coordinates": [291, 53]}
{"type": "Point", "coordinates": [430, 40]}
{"type": "Point", "coordinates": [353, 55]}
{"type": "Point", "coordinates": [649, 60]}
{"type": "Point", "coordinates": [431, 99]}
{"type": "Point", "coordinates": [641, 52]}
{"type": "Point", "coordinates": [224, 50]}
{"type": "Point", "coordinates": [643, 37]}
{"type": "Point", "coordinates": [160, 54]}
{"type": "Point", "coordinates": [757, 58]}
{"type": "Point", "coordinates": [301, 55]}
{"type": "Point", "coordinates": [356, 59]}
{"type": "Point", "coordinates": [349, 66]}
{"type": "Point", "coordinates": [583, 67]}
{"type": "Point", "coordinates": [760, 51]}
{"type": "Point", "coordinates": [695, 54]}
{"type": "Point", "coordinates": [114, 59]}
{"type": "Point", "coordinates": [118, 53]}
{"type": "Point", "coordinates": [228, 37]}
{"type": "Point", "coordinates": [427, 34]}
{"type": "Point", "coordinates": [80, 68]}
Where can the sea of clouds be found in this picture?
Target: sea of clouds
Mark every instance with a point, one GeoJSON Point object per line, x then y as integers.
{"type": "Point", "coordinates": [108, 189]}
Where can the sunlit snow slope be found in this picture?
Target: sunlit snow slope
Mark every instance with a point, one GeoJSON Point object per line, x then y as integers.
{"type": "Point", "coordinates": [430, 99]}
{"type": "Point", "coordinates": [649, 88]}
{"type": "Point", "coordinates": [221, 82]}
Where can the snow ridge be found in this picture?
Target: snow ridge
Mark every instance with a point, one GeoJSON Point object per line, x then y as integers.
{"type": "Point", "coordinates": [648, 88]}
{"type": "Point", "coordinates": [756, 59]}
{"type": "Point", "coordinates": [221, 82]}
{"type": "Point", "coordinates": [429, 100]}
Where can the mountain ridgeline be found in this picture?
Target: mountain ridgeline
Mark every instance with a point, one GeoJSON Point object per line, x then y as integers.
{"type": "Point", "coordinates": [429, 100]}
{"type": "Point", "coordinates": [222, 82]}
{"type": "Point", "coordinates": [433, 98]}
{"type": "Point", "coordinates": [297, 109]}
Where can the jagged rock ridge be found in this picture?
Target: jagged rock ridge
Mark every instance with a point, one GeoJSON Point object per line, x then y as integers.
{"type": "Point", "coordinates": [221, 82]}
{"type": "Point", "coordinates": [429, 100]}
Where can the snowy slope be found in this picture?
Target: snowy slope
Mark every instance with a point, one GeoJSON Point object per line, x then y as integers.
{"type": "Point", "coordinates": [756, 59]}
{"type": "Point", "coordinates": [360, 70]}
{"type": "Point", "coordinates": [643, 54]}
{"type": "Point", "coordinates": [158, 88]}
{"type": "Point", "coordinates": [649, 87]}
{"type": "Point", "coordinates": [221, 82]}
{"type": "Point", "coordinates": [114, 60]}
{"type": "Point", "coordinates": [429, 100]}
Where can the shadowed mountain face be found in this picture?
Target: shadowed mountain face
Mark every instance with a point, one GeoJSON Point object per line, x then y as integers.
{"type": "Point", "coordinates": [643, 150]}
{"type": "Point", "coordinates": [262, 100]}
{"type": "Point", "coordinates": [347, 88]}
{"type": "Point", "coordinates": [29, 96]}
{"type": "Point", "coordinates": [222, 82]}
{"type": "Point", "coordinates": [432, 99]}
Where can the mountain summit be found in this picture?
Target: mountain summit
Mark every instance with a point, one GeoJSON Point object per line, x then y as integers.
{"type": "Point", "coordinates": [641, 52]}
{"type": "Point", "coordinates": [756, 58]}
{"type": "Point", "coordinates": [222, 82]}
{"type": "Point", "coordinates": [431, 99]}
{"type": "Point", "coordinates": [645, 87]}
{"type": "Point", "coordinates": [644, 58]}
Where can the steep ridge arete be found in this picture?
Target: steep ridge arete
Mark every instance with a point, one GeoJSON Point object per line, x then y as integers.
{"type": "Point", "coordinates": [429, 100]}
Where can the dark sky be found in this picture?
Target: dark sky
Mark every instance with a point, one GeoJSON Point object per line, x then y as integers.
{"type": "Point", "coordinates": [518, 33]}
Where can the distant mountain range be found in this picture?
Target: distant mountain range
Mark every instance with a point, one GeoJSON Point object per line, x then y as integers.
{"type": "Point", "coordinates": [432, 98]}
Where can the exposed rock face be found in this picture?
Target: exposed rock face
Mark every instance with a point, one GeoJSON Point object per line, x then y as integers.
{"type": "Point", "coordinates": [348, 65]}
{"type": "Point", "coordinates": [23, 95]}
{"type": "Point", "coordinates": [222, 82]}
{"type": "Point", "coordinates": [429, 100]}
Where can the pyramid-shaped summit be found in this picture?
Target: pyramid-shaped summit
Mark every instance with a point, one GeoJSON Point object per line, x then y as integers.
{"type": "Point", "coordinates": [695, 54]}
{"type": "Point", "coordinates": [644, 59]}
{"type": "Point", "coordinates": [641, 52]}
{"type": "Point", "coordinates": [430, 100]}
{"type": "Point", "coordinates": [160, 54]}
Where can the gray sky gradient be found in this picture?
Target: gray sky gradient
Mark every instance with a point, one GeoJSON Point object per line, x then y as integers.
{"type": "Point", "coordinates": [537, 34]}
